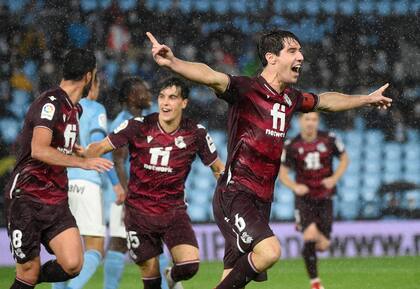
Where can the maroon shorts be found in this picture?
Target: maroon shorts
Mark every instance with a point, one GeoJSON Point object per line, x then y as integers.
{"type": "Point", "coordinates": [31, 223]}
{"type": "Point", "coordinates": [310, 211]}
{"type": "Point", "coordinates": [145, 233]}
{"type": "Point", "coordinates": [243, 220]}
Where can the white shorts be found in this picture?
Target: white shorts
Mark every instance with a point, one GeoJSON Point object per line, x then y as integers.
{"type": "Point", "coordinates": [116, 221]}
{"type": "Point", "coordinates": [86, 205]}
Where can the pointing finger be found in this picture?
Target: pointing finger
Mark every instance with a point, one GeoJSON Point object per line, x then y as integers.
{"type": "Point", "coordinates": [385, 86]}
{"type": "Point", "coordinates": [152, 38]}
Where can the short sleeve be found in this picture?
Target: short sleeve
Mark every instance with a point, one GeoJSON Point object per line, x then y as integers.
{"type": "Point", "coordinates": [45, 112]}
{"type": "Point", "coordinates": [287, 155]}
{"type": "Point", "coordinates": [308, 102]}
{"type": "Point", "coordinates": [337, 144]}
{"type": "Point", "coordinates": [232, 92]}
{"type": "Point", "coordinates": [124, 133]}
{"type": "Point", "coordinates": [206, 147]}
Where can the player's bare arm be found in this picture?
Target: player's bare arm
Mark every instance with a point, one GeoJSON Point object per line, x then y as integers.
{"type": "Point", "coordinates": [331, 181]}
{"type": "Point", "coordinates": [99, 148]}
{"type": "Point", "coordinates": [120, 155]}
{"type": "Point", "coordinates": [299, 189]}
{"type": "Point", "coordinates": [218, 167]}
{"type": "Point", "coordinates": [42, 150]}
{"type": "Point", "coordinates": [194, 71]}
{"type": "Point", "coordinates": [335, 101]}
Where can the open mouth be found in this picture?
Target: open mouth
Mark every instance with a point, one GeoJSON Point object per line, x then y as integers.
{"type": "Point", "coordinates": [165, 110]}
{"type": "Point", "coordinates": [297, 68]}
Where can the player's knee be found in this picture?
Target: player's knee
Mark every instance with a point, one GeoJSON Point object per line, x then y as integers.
{"type": "Point", "coordinates": [72, 266]}
{"type": "Point", "coordinates": [272, 255]}
{"type": "Point", "coordinates": [323, 246]}
{"type": "Point", "coordinates": [187, 271]}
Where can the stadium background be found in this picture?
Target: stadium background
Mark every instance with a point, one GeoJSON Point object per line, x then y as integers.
{"type": "Point", "coordinates": [352, 46]}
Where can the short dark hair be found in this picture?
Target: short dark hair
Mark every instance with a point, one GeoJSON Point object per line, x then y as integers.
{"type": "Point", "coordinates": [273, 42]}
{"type": "Point", "coordinates": [77, 62]}
{"type": "Point", "coordinates": [177, 82]}
{"type": "Point", "coordinates": [126, 87]}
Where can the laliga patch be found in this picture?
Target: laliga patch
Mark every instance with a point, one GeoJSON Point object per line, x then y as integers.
{"type": "Point", "coordinates": [48, 111]}
{"type": "Point", "coordinates": [179, 142]}
{"type": "Point", "coordinates": [122, 126]}
{"type": "Point", "coordinates": [102, 121]}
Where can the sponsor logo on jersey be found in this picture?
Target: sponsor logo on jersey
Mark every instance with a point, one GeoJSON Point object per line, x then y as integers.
{"type": "Point", "coordinates": [52, 98]}
{"type": "Point", "coordinates": [48, 111]}
{"type": "Point", "coordinates": [179, 142]}
{"type": "Point", "coordinates": [149, 138]}
{"type": "Point", "coordinates": [246, 238]}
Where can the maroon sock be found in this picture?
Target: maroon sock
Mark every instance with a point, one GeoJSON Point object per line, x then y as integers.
{"type": "Point", "coordinates": [51, 271]}
{"type": "Point", "coordinates": [242, 273]}
{"type": "Point", "coordinates": [19, 284]}
{"type": "Point", "coordinates": [152, 283]}
{"type": "Point", "coordinates": [309, 256]}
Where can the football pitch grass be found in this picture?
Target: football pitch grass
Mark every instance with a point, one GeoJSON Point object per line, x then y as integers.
{"type": "Point", "coordinates": [351, 273]}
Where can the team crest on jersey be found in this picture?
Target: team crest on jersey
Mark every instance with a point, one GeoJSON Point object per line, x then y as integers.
{"type": "Point", "coordinates": [102, 120]}
{"type": "Point", "coordinates": [288, 100]}
{"type": "Point", "coordinates": [179, 142]}
{"type": "Point", "coordinates": [301, 150]}
{"type": "Point", "coordinates": [321, 147]}
{"type": "Point", "coordinates": [48, 111]}
{"type": "Point", "coordinates": [149, 138]}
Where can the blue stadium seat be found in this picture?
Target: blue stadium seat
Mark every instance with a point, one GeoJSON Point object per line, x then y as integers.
{"type": "Point", "coordinates": [372, 181]}
{"type": "Point", "coordinates": [372, 166]}
{"type": "Point", "coordinates": [349, 210]}
{"type": "Point", "coordinates": [238, 6]}
{"type": "Point", "coordinates": [374, 137]}
{"type": "Point", "coordinates": [372, 154]}
{"type": "Point", "coordinates": [88, 5]}
{"type": "Point", "coordinates": [415, 7]}
{"type": "Point", "coordinates": [292, 6]}
{"type": "Point", "coordinates": [413, 135]}
{"type": "Point", "coordinates": [353, 138]}
{"type": "Point", "coordinates": [199, 197]}
{"type": "Point", "coordinates": [400, 7]}
{"type": "Point", "coordinates": [347, 7]}
{"type": "Point", "coordinates": [103, 4]}
{"type": "Point", "coordinates": [204, 183]}
{"type": "Point", "coordinates": [354, 166]}
{"type": "Point", "coordinates": [366, 6]}
{"type": "Point", "coordinates": [390, 177]}
{"type": "Point", "coordinates": [392, 166]}
{"type": "Point", "coordinates": [186, 5]}
{"type": "Point", "coordinates": [312, 7]}
{"type": "Point", "coordinates": [411, 177]}
{"type": "Point", "coordinates": [412, 151]}
{"type": "Point", "coordinates": [285, 197]}
{"type": "Point", "coordinates": [351, 181]}
{"type": "Point", "coordinates": [220, 6]}
{"type": "Point", "coordinates": [198, 213]}
{"type": "Point", "coordinates": [282, 212]}
{"type": "Point", "coordinates": [16, 6]}
{"type": "Point", "coordinates": [330, 6]}
{"type": "Point", "coordinates": [369, 194]}
{"type": "Point", "coordinates": [164, 5]}
{"type": "Point", "coordinates": [151, 4]}
{"type": "Point", "coordinates": [9, 129]}
{"type": "Point", "coordinates": [354, 152]}
{"type": "Point", "coordinates": [383, 7]}
{"type": "Point", "coordinates": [126, 5]}
{"type": "Point", "coordinates": [393, 151]}
{"type": "Point", "coordinates": [412, 165]}
{"type": "Point", "coordinates": [30, 70]}
{"type": "Point", "coordinates": [349, 194]}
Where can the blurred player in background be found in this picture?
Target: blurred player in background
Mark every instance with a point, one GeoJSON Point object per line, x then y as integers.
{"type": "Point", "coordinates": [36, 196]}
{"type": "Point", "coordinates": [134, 96]}
{"type": "Point", "coordinates": [311, 155]}
{"type": "Point", "coordinates": [85, 195]}
{"type": "Point", "coordinates": [260, 109]}
{"type": "Point", "coordinates": [162, 147]}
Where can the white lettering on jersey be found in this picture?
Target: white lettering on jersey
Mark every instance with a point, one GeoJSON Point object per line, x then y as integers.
{"type": "Point", "coordinates": [48, 111]}
{"type": "Point", "coordinates": [161, 154]}
{"type": "Point", "coordinates": [210, 143]}
{"type": "Point", "coordinates": [278, 114]}
{"type": "Point", "coordinates": [312, 161]}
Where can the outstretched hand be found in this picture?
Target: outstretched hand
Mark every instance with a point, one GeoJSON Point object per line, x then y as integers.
{"type": "Point", "coordinates": [378, 100]}
{"type": "Point", "coordinates": [162, 54]}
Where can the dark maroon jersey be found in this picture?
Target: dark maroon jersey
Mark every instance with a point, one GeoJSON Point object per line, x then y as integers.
{"type": "Point", "coordinates": [160, 162]}
{"type": "Point", "coordinates": [52, 110]}
{"type": "Point", "coordinates": [258, 121]}
{"type": "Point", "coordinates": [313, 161]}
